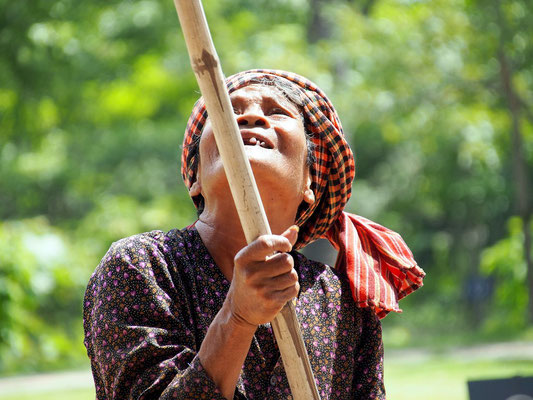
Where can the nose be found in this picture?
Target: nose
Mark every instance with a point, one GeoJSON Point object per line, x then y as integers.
{"type": "Point", "coordinates": [252, 117]}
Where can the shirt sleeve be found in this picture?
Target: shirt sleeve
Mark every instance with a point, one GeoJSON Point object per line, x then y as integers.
{"type": "Point", "coordinates": [368, 377]}
{"type": "Point", "coordinates": [139, 328]}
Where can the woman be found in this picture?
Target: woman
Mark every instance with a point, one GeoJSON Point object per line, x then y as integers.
{"type": "Point", "coordinates": [185, 314]}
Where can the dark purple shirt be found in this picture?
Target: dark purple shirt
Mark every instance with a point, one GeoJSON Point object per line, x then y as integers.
{"type": "Point", "coordinates": [152, 298]}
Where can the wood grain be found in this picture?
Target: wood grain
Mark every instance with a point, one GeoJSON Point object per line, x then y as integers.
{"type": "Point", "coordinates": [206, 66]}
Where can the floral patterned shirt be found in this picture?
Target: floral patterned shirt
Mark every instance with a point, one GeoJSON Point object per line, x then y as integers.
{"type": "Point", "coordinates": [152, 298]}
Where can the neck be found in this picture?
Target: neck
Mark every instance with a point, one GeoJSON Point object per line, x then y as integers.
{"type": "Point", "coordinates": [223, 236]}
{"type": "Point", "coordinates": [221, 231]}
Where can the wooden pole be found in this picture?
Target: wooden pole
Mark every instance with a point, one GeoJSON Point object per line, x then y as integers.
{"type": "Point", "coordinates": [206, 66]}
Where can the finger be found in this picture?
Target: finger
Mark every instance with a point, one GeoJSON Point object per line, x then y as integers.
{"type": "Point", "coordinates": [285, 295]}
{"type": "Point", "coordinates": [284, 281]}
{"type": "Point", "coordinates": [292, 234]}
{"type": "Point", "coordinates": [276, 265]}
{"type": "Point", "coordinates": [263, 247]}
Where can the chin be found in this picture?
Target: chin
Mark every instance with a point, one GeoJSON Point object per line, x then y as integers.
{"type": "Point", "coordinates": [261, 156]}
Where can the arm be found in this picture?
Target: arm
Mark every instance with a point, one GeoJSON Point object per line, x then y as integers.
{"type": "Point", "coordinates": [139, 329]}
{"type": "Point", "coordinates": [262, 283]}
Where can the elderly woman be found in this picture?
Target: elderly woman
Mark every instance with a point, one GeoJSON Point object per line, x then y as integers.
{"type": "Point", "coordinates": [185, 314]}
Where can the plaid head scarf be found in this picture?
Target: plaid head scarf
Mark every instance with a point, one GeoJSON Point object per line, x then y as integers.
{"type": "Point", "coordinates": [380, 267]}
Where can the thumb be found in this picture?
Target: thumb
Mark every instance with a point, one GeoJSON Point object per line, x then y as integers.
{"type": "Point", "coordinates": [291, 234]}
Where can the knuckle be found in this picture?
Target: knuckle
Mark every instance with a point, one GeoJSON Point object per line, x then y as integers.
{"type": "Point", "coordinates": [273, 243]}
{"type": "Point", "coordinates": [287, 260]}
{"type": "Point", "coordinates": [290, 293]}
{"type": "Point", "coordinates": [266, 241]}
{"type": "Point", "coordinates": [289, 279]}
{"type": "Point", "coordinates": [294, 275]}
{"type": "Point", "coordinates": [240, 257]}
{"type": "Point", "coordinates": [296, 289]}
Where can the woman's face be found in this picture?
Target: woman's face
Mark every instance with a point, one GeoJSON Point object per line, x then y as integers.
{"type": "Point", "coordinates": [274, 139]}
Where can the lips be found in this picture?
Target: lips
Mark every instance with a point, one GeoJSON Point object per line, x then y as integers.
{"type": "Point", "coordinates": [251, 138]}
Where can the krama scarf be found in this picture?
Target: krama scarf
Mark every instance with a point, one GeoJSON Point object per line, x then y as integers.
{"type": "Point", "coordinates": [380, 267]}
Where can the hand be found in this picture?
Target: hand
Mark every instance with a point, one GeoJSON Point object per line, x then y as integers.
{"type": "Point", "coordinates": [264, 279]}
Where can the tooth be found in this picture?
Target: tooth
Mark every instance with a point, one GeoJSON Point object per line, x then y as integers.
{"type": "Point", "coordinates": [252, 141]}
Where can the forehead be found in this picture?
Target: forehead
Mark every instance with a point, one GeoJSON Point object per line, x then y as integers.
{"type": "Point", "coordinates": [260, 93]}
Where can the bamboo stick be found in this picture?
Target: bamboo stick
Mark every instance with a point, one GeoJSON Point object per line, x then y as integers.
{"type": "Point", "coordinates": [206, 66]}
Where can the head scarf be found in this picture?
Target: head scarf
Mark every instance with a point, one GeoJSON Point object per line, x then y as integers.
{"type": "Point", "coordinates": [379, 265]}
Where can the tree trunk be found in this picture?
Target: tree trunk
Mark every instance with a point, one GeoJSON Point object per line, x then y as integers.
{"type": "Point", "coordinates": [520, 172]}
{"type": "Point", "coordinates": [318, 27]}
{"type": "Point", "coordinates": [366, 9]}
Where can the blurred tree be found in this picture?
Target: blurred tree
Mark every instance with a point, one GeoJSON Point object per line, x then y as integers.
{"type": "Point", "coordinates": [424, 99]}
{"type": "Point", "coordinates": [504, 261]}
{"type": "Point", "coordinates": [94, 98]}
{"type": "Point", "coordinates": [39, 295]}
{"type": "Point", "coordinates": [520, 172]}
{"type": "Point", "coordinates": [507, 24]}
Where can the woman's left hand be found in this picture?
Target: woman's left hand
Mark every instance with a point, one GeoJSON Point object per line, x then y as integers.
{"type": "Point", "coordinates": [264, 278]}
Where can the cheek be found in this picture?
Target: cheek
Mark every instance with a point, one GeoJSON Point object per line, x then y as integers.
{"type": "Point", "coordinates": [207, 149]}
{"type": "Point", "coordinates": [295, 146]}
{"type": "Point", "coordinates": [299, 156]}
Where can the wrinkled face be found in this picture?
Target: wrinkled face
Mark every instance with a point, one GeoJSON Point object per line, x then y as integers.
{"type": "Point", "coordinates": [273, 133]}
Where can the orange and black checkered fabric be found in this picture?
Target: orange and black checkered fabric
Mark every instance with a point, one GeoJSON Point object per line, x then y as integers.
{"type": "Point", "coordinates": [334, 169]}
{"type": "Point", "coordinates": [379, 280]}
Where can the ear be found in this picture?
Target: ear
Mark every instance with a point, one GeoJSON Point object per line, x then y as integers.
{"type": "Point", "coordinates": [309, 195]}
{"type": "Point", "coordinates": [196, 188]}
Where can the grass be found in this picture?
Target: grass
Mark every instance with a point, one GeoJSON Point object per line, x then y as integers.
{"type": "Point", "coordinates": [435, 377]}
{"type": "Point", "coordinates": [78, 394]}
{"type": "Point", "coordinates": [442, 378]}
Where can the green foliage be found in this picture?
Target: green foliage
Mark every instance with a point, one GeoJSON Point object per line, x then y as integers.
{"type": "Point", "coordinates": [39, 294]}
{"type": "Point", "coordinates": [94, 98]}
{"type": "Point", "coordinates": [504, 261]}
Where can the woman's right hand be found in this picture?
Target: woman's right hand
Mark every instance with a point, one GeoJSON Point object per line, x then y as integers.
{"type": "Point", "coordinates": [264, 279]}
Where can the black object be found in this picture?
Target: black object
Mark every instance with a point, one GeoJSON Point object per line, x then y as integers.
{"type": "Point", "coordinates": [517, 388]}
{"type": "Point", "coordinates": [321, 250]}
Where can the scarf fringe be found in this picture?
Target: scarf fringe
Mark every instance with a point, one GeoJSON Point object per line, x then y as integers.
{"type": "Point", "coordinates": [380, 267]}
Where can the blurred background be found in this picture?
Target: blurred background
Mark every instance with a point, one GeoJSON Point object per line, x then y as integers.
{"type": "Point", "coordinates": [436, 98]}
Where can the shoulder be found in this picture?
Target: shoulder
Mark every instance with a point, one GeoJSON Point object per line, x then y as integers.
{"type": "Point", "coordinates": [145, 246]}
{"type": "Point", "coordinates": [153, 240]}
{"type": "Point", "coordinates": [135, 264]}
{"type": "Point", "coordinates": [329, 285]}
{"type": "Point", "coordinates": [147, 240]}
{"type": "Point", "coordinates": [312, 271]}
{"type": "Point", "coordinates": [147, 254]}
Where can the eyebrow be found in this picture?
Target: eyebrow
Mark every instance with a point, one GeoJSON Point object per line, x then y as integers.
{"type": "Point", "coordinates": [279, 99]}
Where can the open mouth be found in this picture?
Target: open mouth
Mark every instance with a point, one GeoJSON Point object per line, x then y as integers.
{"type": "Point", "coordinates": [252, 141]}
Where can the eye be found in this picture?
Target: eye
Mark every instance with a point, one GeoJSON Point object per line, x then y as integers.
{"type": "Point", "coordinates": [278, 111]}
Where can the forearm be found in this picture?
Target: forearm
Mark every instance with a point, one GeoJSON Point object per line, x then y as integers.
{"type": "Point", "coordinates": [263, 281]}
{"type": "Point", "coordinates": [224, 350]}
